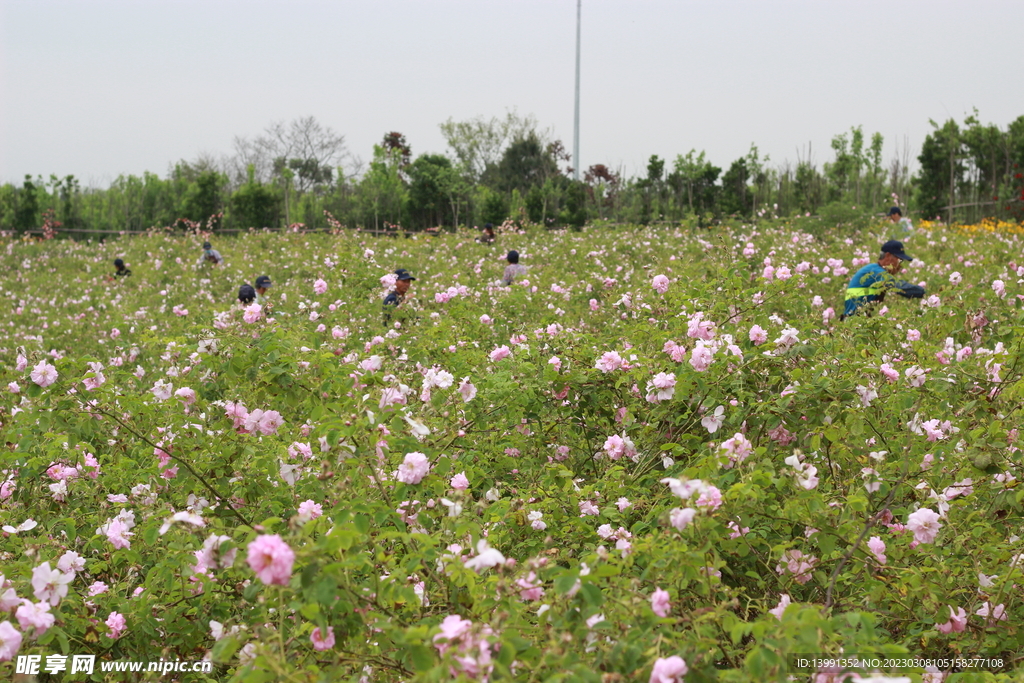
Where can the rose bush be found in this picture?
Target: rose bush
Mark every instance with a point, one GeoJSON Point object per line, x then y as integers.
{"type": "Point", "coordinates": [672, 482]}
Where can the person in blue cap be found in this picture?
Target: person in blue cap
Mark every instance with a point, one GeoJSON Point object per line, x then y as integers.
{"type": "Point", "coordinates": [896, 216]}
{"type": "Point", "coordinates": [262, 285]}
{"type": "Point", "coordinates": [121, 269]}
{"type": "Point", "coordinates": [396, 296]}
{"type": "Point", "coordinates": [488, 234]}
{"type": "Point", "coordinates": [870, 283]}
{"type": "Point", "coordinates": [210, 255]}
{"type": "Point", "coordinates": [402, 281]}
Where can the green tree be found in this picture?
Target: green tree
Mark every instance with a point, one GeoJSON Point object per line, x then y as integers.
{"type": "Point", "coordinates": [430, 178]}
{"type": "Point", "coordinates": [941, 171]}
{"type": "Point", "coordinates": [603, 188]}
{"type": "Point", "coordinates": [736, 198]}
{"type": "Point", "coordinates": [26, 214]}
{"type": "Point", "coordinates": [650, 189]}
{"type": "Point", "coordinates": [395, 143]}
{"type": "Point", "coordinates": [381, 193]}
{"type": "Point", "coordinates": [809, 187]}
{"type": "Point", "coordinates": [493, 206]}
{"type": "Point", "coordinates": [255, 205]}
{"type": "Point", "coordinates": [525, 163]}
{"type": "Point", "coordinates": [8, 205]}
{"type": "Point", "coordinates": [203, 197]}
{"type": "Point", "coordinates": [479, 143]}
{"type": "Point", "coordinates": [574, 206]}
{"type": "Point", "coordinates": [535, 204]}
{"type": "Point", "coordinates": [694, 180]}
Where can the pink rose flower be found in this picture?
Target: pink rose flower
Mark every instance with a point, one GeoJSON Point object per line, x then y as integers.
{"type": "Point", "coordinates": [680, 518]}
{"type": "Point", "coordinates": [780, 609]}
{"type": "Point", "coordinates": [660, 603]}
{"type": "Point", "coordinates": [188, 396]}
{"type": "Point", "coordinates": [700, 358]}
{"type": "Point", "coordinates": [460, 482]}
{"type": "Point", "coordinates": [877, 547]}
{"type": "Point", "coordinates": [798, 564]}
{"type": "Point", "coordinates": [529, 588]}
{"type": "Point", "coordinates": [670, 670]}
{"type": "Point", "coordinates": [738, 448]}
{"type": "Point", "coordinates": [609, 362]}
{"type": "Point", "coordinates": [116, 623]}
{"type": "Point", "coordinates": [309, 510]}
{"type": "Point", "coordinates": [452, 628]}
{"type": "Point", "coordinates": [271, 559]}
{"type": "Point", "coordinates": [10, 641]}
{"type": "Point", "coordinates": [238, 413]}
{"type": "Point", "coordinates": [44, 374]}
{"type": "Point", "coordinates": [36, 616]}
{"type": "Point", "coordinates": [758, 335]}
{"type": "Point", "coordinates": [710, 498]}
{"type": "Point", "coordinates": [957, 622]}
{"type": "Point", "coordinates": [992, 614]}
{"type": "Point", "coordinates": [499, 353]}
{"type": "Point", "coordinates": [413, 468]}
{"type": "Point", "coordinates": [253, 312]}
{"type": "Point", "coordinates": [269, 422]}
{"type": "Point", "coordinates": [162, 390]}
{"type": "Point", "coordinates": [925, 525]}
{"type": "Point", "coordinates": [661, 388]}
{"type": "Point", "coordinates": [320, 643]}
{"type": "Point", "coordinates": [890, 374]}
{"type": "Point", "coordinates": [660, 283]}
{"type": "Point", "coordinates": [50, 585]}
{"type": "Point", "coordinates": [614, 446]}
{"type": "Point", "coordinates": [467, 390]}
{"type": "Point", "coordinates": [319, 286]}
{"type": "Point", "coordinates": [117, 533]}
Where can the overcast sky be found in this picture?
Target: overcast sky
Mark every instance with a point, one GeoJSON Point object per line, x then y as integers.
{"type": "Point", "coordinates": [97, 88]}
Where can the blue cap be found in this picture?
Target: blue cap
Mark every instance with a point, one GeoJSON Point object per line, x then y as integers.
{"type": "Point", "coordinates": [896, 249]}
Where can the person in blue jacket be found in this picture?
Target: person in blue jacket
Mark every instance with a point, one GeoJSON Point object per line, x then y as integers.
{"type": "Point", "coordinates": [870, 283]}
{"type": "Point", "coordinates": [395, 298]}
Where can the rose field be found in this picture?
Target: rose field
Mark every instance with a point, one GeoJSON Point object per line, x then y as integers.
{"type": "Point", "coordinates": [658, 456]}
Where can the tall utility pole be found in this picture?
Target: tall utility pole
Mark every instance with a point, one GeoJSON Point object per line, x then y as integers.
{"type": "Point", "coordinates": [576, 127]}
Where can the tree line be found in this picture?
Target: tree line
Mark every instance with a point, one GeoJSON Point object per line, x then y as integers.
{"type": "Point", "coordinates": [509, 168]}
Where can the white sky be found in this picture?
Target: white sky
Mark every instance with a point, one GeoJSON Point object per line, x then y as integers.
{"type": "Point", "coordinates": [97, 88]}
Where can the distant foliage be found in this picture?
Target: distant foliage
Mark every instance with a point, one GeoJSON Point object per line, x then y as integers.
{"type": "Point", "coordinates": [510, 167]}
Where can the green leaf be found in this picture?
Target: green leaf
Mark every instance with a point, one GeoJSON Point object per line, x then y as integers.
{"type": "Point", "coordinates": [225, 648]}
{"type": "Point", "coordinates": [421, 657]}
{"type": "Point", "coordinates": [592, 595]}
{"type": "Point", "coordinates": [564, 583]}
